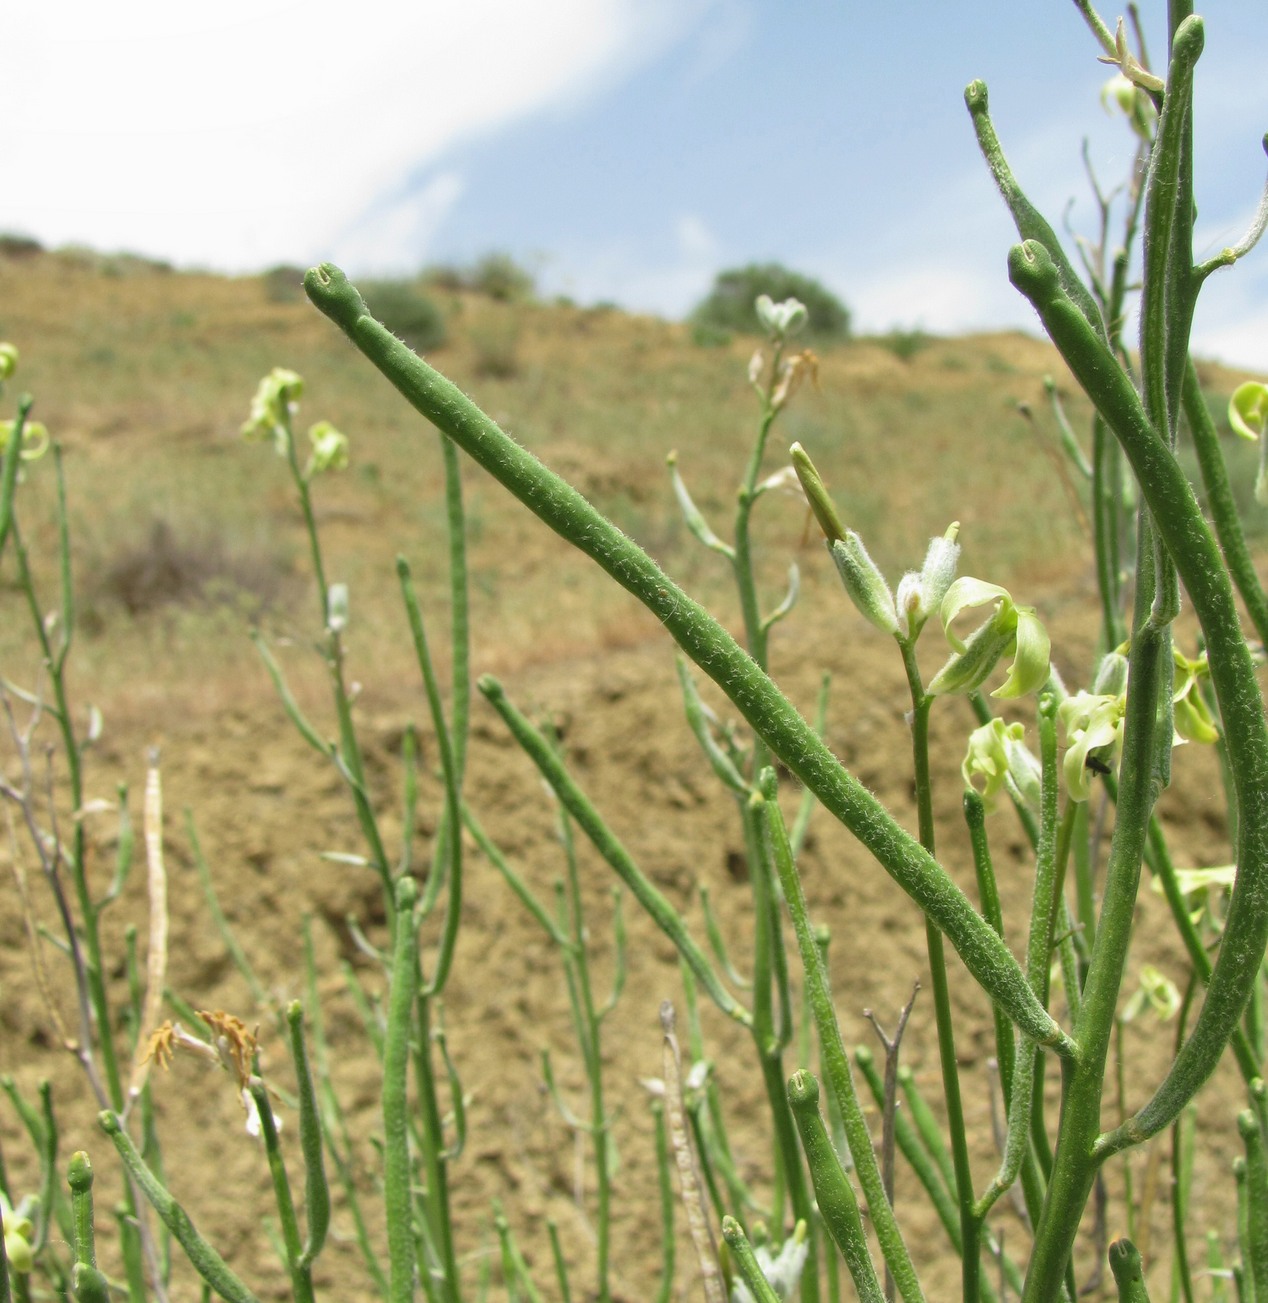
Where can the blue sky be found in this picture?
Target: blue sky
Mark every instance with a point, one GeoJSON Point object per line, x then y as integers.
{"type": "Point", "coordinates": [626, 149]}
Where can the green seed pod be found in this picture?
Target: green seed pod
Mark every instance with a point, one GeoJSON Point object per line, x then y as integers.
{"type": "Point", "coordinates": [1124, 1260]}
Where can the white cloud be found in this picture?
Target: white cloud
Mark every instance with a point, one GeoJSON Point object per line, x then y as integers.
{"type": "Point", "coordinates": [244, 133]}
{"type": "Point", "coordinates": [388, 240]}
{"type": "Point", "coordinates": [695, 240]}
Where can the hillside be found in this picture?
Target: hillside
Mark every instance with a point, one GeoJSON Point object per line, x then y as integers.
{"type": "Point", "coordinates": [184, 538]}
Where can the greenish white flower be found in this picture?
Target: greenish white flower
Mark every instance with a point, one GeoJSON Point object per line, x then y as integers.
{"type": "Point", "coordinates": [330, 450]}
{"type": "Point", "coordinates": [1093, 724]}
{"type": "Point", "coordinates": [1248, 416]}
{"type": "Point", "coordinates": [1155, 991]}
{"type": "Point", "coordinates": [1192, 718]}
{"type": "Point", "coordinates": [8, 361]}
{"type": "Point", "coordinates": [18, 1229]}
{"type": "Point", "coordinates": [35, 438]}
{"type": "Point", "coordinates": [782, 1270]}
{"type": "Point", "coordinates": [998, 760]}
{"type": "Point", "coordinates": [1011, 630]}
{"type": "Point", "coordinates": [780, 320]}
{"type": "Point", "coordinates": [276, 400]}
{"type": "Point", "coordinates": [1202, 889]}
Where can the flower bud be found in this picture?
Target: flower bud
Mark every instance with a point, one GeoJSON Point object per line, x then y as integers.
{"type": "Point", "coordinates": [817, 494]}
{"type": "Point", "coordinates": [864, 582]}
{"type": "Point", "coordinates": [8, 361]}
{"type": "Point", "coordinates": [920, 593]}
{"type": "Point", "coordinates": [337, 608]}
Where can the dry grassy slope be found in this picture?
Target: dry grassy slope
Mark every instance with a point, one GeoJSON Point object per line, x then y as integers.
{"type": "Point", "coordinates": [146, 378]}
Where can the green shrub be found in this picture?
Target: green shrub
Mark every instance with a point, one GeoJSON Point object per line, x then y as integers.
{"type": "Point", "coordinates": [729, 305]}
{"type": "Point", "coordinates": [500, 277]}
{"type": "Point", "coordinates": [283, 283]}
{"type": "Point", "coordinates": [407, 312]}
{"type": "Point", "coordinates": [905, 344]}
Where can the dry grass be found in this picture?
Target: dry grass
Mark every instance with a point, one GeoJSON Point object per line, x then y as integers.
{"type": "Point", "coordinates": [145, 377]}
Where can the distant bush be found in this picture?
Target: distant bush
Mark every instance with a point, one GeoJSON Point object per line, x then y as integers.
{"type": "Point", "coordinates": [19, 246]}
{"type": "Point", "coordinates": [497, 276]}
{"type": "Point", "coordinates": [496, 343]}
{"type": "Point", "coordinates": [407, 312]}
{"type": "Point", "coordinates": [729, 305]}
{"type": "Point", "coordinates": [704, 334]}
{"type": "Point", "coordinates": [169, 569]}
{"type": "Point", "coordinates": [500, 277]}
{"type": "Point", "coordinates": [284, 284]}
{"type": "Point", "coordinates": [905, 344]}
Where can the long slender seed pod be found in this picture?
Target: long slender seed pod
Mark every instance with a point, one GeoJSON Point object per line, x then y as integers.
{"type": "Point", "coordinates": [1030, 222]}
{"type": "Point", "coordinates": [79, 1178]}
{"type": "Point", "coordinates": [1256, 1250]}
{"type": "Point", "coordinates": [761, 703]}
{"type": "Point", "coordinates": [450, 775]}
{"type": "Point", "coordinates": [1168, 289]}
{"type": "Point", "coordinates": [1245, 1276]}
{"type": "Point", "coordinates": [833, 1192]}
{"type": "Point", "coordinates": [202, 1257]}
{"type": "Point", "coordinates": [746, 1261]}
{"type": "Point", "coordinates": [561, 1267]}
{"type": "Point", "coordinates": [836, 1061]}
{"type": "Point", "coordinates": [1179, 521]}
{"type": "Point", "coordinates": [578, 805]}
{"type": "Point", "coordinates": [316, 1189]}
{"type": "Point", "coordinates": [988, 894]}
{"type": "Point", "coordinates": [396, 1050]}
{"type": "Point", "coordinates": [1129, 1276]}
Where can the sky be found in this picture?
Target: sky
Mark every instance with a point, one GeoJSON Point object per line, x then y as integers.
{"type": "Point", "coordinates": [625, 150]}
